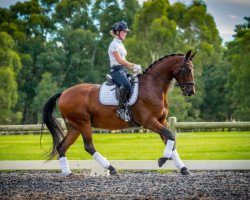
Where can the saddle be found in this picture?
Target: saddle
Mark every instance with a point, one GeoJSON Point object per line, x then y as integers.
{"type": "Point", "coordinates": [110, 91]}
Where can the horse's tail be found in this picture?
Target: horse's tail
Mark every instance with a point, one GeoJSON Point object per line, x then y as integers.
{"type": "Point", "coordinates": [52, 124]}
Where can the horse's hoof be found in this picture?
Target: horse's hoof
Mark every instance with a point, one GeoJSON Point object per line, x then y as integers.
{"type": "Point", "coordinates": [67, 174]}
{"type": "Point", "coordinates": [112, 170]}
{"type": "Point", "coordinates": [161, 161]}
{"type": "Point", "coordinates": [185, 171]}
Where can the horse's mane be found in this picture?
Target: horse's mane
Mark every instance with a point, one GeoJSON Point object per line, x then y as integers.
{"type": "Point", "coordinates": [163, 58]}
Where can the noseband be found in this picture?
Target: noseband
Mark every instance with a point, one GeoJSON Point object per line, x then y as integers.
{"type": "Point", "coordinates": [184, 85]}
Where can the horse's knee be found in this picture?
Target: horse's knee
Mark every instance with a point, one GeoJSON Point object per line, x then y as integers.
{"type": "Point", "coordinates": [168, 134]}
{"type": "Point", "coordinates": [89, 148]}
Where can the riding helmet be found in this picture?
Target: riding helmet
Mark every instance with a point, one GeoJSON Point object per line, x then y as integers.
{"type": "Point", "coordinates": [120, 26]}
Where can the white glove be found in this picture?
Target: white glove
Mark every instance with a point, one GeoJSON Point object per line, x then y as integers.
{"type": "Point", "coordinates": [137, 69]}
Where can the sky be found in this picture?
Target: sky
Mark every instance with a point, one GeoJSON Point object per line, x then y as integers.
{"type": "Point", "coordinates": [226, 13]}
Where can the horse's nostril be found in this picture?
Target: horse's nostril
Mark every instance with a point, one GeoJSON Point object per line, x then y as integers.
{"type": "Point", "coordinates": [191, 92]}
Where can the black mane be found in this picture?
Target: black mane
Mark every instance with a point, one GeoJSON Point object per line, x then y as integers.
{"type": "Point", "coordinates": [163, 58]}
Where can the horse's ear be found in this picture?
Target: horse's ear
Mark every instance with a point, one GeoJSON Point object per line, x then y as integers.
{"type": "Point", "coordinates": [188, 54]}
{"type": "Point", "coordinates": [193, 54]}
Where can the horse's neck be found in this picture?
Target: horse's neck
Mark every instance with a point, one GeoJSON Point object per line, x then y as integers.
{"type": "Point", "coordinates": [159, 77]}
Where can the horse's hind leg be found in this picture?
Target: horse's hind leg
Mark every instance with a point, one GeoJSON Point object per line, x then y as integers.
{"type": "Point", "coordinates": [89, 147]}
{"type": "Point", "coordinates": [69, 139]}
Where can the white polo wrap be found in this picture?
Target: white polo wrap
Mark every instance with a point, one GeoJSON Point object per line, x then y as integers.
{"type": "Point", "coordinates": [176, 159]}
{"type": "Point", "coordinates": [168, 150]}
{"type": "Point", "coordinates": [64, 166]}
{"type": "Point", "coordinates": [101, 160]}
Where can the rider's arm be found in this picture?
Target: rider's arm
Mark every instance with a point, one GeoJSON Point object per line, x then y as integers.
{"type": "Point", "coordinates": [122, 61]}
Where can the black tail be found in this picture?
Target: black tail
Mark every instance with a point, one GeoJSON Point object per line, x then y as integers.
{"type": "Point", "coordinates": [52, 124]}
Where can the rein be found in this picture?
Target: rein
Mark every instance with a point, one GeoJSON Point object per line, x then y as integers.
{"type": "Point", "coordinates": [157, 76]}
{"type": "Point", "coordinates": [181, 85]}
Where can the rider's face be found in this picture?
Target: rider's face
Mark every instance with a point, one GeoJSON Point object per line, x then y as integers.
{"type": "Point", "coordinates": [123, 34]}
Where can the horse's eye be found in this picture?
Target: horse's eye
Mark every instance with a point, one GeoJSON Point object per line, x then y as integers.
{"type": "Point", "coordinates": [188, 70]}
{"type": "Point", "coordinates": [185, 70]}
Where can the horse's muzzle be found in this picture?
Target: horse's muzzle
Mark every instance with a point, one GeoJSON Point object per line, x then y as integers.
{"type": "Point", "coordinates": [188, 90]}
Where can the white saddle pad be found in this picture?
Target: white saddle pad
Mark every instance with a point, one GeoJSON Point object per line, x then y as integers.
{"type": "Point", "coordinates": [107, 94]}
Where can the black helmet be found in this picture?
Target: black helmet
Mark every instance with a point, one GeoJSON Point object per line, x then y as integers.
{"type": "Point", "coordinates": [120, 26]}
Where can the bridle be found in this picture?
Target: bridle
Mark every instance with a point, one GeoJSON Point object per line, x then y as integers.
{"type": "Point", "coordinates": [181, 85]}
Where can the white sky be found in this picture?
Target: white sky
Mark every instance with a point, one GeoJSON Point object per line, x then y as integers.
{"type": "Point", "coordinates": [226, 13]}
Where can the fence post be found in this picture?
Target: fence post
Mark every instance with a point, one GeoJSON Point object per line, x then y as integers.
{"type": "Point", "coordinates": [172, 122]}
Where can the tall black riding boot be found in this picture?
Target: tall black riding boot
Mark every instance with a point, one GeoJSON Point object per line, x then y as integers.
{"type": "Point", "coordinates": [122, 110]}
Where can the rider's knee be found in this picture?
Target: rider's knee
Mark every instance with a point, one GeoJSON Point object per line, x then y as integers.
{"type": "Point", "coordinates": [125, 88]}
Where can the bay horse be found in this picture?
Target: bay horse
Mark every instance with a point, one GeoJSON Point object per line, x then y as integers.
{"type": "Point", "coordinates": [81, 110]}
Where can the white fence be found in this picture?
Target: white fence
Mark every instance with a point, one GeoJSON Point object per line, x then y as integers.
{"type": "Point", "coordinates": [173, 125]}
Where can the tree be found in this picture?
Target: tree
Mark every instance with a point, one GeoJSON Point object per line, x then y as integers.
{"type": "Point", "coordinates": [215, 106]}
{"type": "Point", "coordinates": [10, 66]}
{"type": "Point", "coordinates": [79, 46]}
{"type": "Point", "coordinates": [238, 54]}
{"type": "Point", "coordinates": [74, 14]}
{"type": "Point", "coordinates": [45, 89]}
{"type": "Point", "coordinates": [177, 105]}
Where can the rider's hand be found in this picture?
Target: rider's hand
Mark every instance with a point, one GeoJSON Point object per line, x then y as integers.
{"type": "Point", "coordinates": [137, 69]}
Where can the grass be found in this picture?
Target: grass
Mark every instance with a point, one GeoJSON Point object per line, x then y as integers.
{"type": "Point", "coordinates": [191, 146]}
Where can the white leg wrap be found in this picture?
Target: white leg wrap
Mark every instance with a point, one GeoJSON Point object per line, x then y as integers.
{"type": "Point", "coordinates": [101, 160]}
{"type": "Point", "coordinates": [64, 166]}
{"type": "Point", "coordinates": [176, 159]}
{"type": "Point", "coordinates": [168, 149]}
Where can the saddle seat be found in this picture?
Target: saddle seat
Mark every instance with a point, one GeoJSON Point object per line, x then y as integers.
{"type": "Point", "coordinates": [109, 91]}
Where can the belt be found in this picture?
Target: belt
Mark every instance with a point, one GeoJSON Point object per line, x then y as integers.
{"type": "Point", "coordinates": [116, 67]}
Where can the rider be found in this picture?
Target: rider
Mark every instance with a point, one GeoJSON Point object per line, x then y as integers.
{"type": "Point", "coordinates": [119, 66]}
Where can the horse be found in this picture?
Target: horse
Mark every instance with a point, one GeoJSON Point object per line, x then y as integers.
{"type": "Point", "coordinates": [81, 110]}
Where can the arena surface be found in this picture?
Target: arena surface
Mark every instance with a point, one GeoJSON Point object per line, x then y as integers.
{"type": "Point", "coordinates": [204, 185]}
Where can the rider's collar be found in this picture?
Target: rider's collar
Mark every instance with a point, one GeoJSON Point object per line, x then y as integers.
{"type": "Point", "coordinates": [118, 40]}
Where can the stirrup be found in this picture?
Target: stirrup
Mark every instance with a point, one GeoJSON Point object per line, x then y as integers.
{"type": "Point", "coordinates": [123, 114]}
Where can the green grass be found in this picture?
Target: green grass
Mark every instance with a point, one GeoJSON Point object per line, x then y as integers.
{"type": "Point", "coordinates": [191, 146]}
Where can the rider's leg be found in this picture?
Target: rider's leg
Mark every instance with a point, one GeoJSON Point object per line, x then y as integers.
{"type": "Point", "coordinates": [120, 77]}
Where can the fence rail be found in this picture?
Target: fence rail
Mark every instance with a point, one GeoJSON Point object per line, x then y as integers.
{"type": "Point", "coordinates": [173, 125]}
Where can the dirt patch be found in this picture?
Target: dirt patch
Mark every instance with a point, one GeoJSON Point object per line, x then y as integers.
{"type": "Point", "coordinates": [128, 185]}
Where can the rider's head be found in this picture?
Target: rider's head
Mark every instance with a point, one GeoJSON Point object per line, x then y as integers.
{"type": "Point", "coordinates": [120, 29]}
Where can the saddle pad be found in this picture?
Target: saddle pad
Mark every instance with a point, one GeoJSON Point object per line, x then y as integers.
{"type": "Point", "coordinates": [107, 94]}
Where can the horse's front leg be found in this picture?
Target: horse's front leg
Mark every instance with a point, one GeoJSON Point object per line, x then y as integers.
{"type": "Point", "coordinates": [170, 151]}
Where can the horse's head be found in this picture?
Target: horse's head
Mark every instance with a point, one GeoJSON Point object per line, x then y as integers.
{"type": "Point", "coordinates": [184, 74]}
